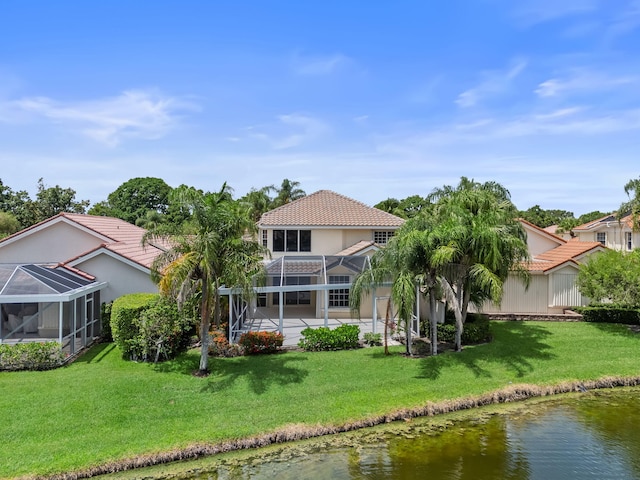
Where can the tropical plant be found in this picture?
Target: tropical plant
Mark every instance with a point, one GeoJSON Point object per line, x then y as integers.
{"type": "Point", "coordinates": [209, 251]}
{"type": "Point", "coordinates": [632, 205]}
{"type": "Point", "coordinates": [479, 243]}
{"type": "Point", "coordinates": [612, 276]}
{"type": "Point", "coordinates": [288, 192]}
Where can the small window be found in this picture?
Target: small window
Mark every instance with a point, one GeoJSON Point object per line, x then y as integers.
{"type": "Point", "coordinates": [382, 237]}
{"type": "Point", "coordinates": [601, 237]}
{"type": "Point", "coordinates": [305, 240]}
{"type": "Point", "coordinates": [629, 238]}
{"type": "Point", "coordinates": [264, 238]}
{"type": "Point", "coordinates": [339, 297]}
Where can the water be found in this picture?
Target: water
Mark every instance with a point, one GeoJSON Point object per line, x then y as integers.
{"type": "Point", "coordinates": [590, 436]}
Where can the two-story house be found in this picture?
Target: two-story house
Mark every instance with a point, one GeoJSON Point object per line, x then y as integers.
{"type": "Point", "coordinates": [610, 232]}
{"type": "Point", "coordinates": [318, 243]}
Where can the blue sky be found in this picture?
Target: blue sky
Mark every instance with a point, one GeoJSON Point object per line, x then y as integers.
{"type": "Point", "coordinates": [372, 99]}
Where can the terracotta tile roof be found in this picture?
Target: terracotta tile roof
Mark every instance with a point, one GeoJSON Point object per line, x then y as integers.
{"type": "Point", "coordinates": [543, 231]}
{"type": "Point", "coordinates": [126, 238]}
{"type": "Point", "coordinates": [325, 208]}
{"type": "Point", "coordinates": [568, 252]}
{"type": "Point", "coordinates": [357, 247]}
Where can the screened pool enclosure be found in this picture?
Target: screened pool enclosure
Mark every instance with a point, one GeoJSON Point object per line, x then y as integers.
{"type": "Point", "coordinates": [303, 287]}
{"type": "Point", "coordinates": [43, 302]}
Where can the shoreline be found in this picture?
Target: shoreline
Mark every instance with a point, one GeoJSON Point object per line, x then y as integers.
{"type": "Point", "coordinates": [292, 433]}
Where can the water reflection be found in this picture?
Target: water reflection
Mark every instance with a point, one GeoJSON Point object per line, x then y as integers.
{"type": "Point", "coordinates": [595, 435]}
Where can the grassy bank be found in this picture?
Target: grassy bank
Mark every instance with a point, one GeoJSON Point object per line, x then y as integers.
{"type": "Point", "coordinates": [102, 409]}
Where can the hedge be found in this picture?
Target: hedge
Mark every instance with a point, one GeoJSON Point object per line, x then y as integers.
{"type": "Point", "coordinates": [261, 342]}
{"type": "Point", "coordinates": [31, 356]}
{"type": "Point", "coordinates": [599, 313]}
{"type": "Point", "coordinates": [323, 338]}
{"type": "Point", "coordinates": [476, 330]}
{"type": "Point", "coordinates": [148, 327]}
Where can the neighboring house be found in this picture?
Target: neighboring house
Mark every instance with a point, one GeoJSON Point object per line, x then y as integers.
{"type": "Point", "coordinates": [553, 269]}
{"type": "Point", "coordinates": [608, 231]}
{"type": "Point", "coordinates": [54, 276]}
{"type": "Point", "coordinates": [318, 243]}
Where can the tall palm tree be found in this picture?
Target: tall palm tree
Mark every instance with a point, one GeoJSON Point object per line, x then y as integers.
{"type": "Point", "coordinates": [479, 243]}
{"type": "Point", "coordinates": [288, 192]}
{"type": "Point", "coordinates": [207, 252]}
{"type": "Point", "coordinates": [632, 205]}
{"type": "Point", "coordinates": [258, 201]}
{"type": "Point", "coordinates": [406, 264]}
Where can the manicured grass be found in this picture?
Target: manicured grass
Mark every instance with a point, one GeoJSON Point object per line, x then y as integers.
{"type": "Point", "coordinates": [102, 408]}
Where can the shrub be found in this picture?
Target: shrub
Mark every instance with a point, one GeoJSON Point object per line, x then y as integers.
{"type": "Point", "coordinates": [219, 346]}
{"type": "Point", "coordinates": [373, 339]}
{"type": "Point", "coordinates": [147, 327]}
{"type": "Point", "coordinates": [31, 356]}
{"type": "Point", "coordinates": [323, 338]}
{"type": "Point", "coordinates": [105, 317]}
{"type": "Point", "coordinates": [476, 330]}
{"type": "Point", "coordinates": [261, 342]}
{"type": "Point", "coordinates": [610, 314]}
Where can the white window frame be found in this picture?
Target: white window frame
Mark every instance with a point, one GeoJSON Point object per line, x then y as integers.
{"type": "Point", "coordinates": [381, 237]}
{"type": "Point", "coordinates": [602, 238]}
{"type": "Point", "coordinates": [339, 298]}
{"type": "Point", "coordinates": [629, 240]}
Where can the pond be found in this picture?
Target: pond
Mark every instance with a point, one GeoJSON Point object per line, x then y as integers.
{"type": "Point", "coordinates": [590, 435]}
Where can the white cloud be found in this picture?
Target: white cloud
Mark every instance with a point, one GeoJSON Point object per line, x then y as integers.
{"type": "Point", "coordinates": [290, 130]}
{"type": "Point", "coordinates": [582, 81]}
{"type": "Point", "coordinates": [532, 12]}
{"type": "Point", "coordinates": [318, 65]}
{"type": "Point", "coordinates": [133, 114]}
{"type": "Point", "coordinates": [495, 82]}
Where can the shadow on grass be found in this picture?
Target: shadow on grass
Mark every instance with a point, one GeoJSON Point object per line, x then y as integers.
{"type": "Point", "coordinates": [629, 331]}
{"type": "Point", "coordinates": [515, 345]}
{"type": "Point", "coordinates": [96, 353]}
{"type": "Point", "coordinates": [260, 371]}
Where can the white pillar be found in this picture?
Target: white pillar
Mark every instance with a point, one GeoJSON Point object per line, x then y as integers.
{"type": "Point", "coordinates": [326, 308]}
{"type": "Point", "coordinates": [281, 312]}
{"type": "Point", "coordinates": [60, 310]}
{"type": "Point", "coordinates": [374, 320]}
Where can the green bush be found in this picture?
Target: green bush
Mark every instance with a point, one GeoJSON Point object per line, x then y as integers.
{"type": "Point", "coordinates": [323, 338]}
{"type": "Point", "coordinates": [373, 339]}
{"type": "Point", "coordinates": [261, 342]}
{"type": "Point", "coordinates": [105, 317]}
{"type": "Point", "coordinates": [610, 314]}
{"type": "Point", "coordinates": [148, 327]}
{"type": "Point", "coordinates": [31, 356]}
{"type": "Point", "coordinates": [476, 330]}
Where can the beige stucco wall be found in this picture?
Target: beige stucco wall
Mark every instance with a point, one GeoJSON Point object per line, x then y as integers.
{"type": "Point", "coordinates": [122, 277]}
{"type": "Point", "coordinates": [538, 243]}
{"type": "Point", "coordinates": [56, 243]}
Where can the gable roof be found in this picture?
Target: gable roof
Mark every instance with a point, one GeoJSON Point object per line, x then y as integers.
{"type": "Point", "coordinates": [570, 251]}
{"type": "Point", "coordinates": [541, 231]}
{"type": "Point", "coordinates": [117, 236]}
{"type": "Point", "coordinates": [359, 247]}
{"type": "Point", "coordinates": [326, 208]}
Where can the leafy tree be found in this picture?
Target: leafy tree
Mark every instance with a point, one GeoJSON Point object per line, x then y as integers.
{"type": "Point", "coordinates": [390, 205]}
{"type": "Point", "coordinates": [479, 242]}
{"type": "Point", "coordinates": [406, 208]}
{"type": "Point", "coordinates": [611, 275]}
{"type": "Point", "coordinates": [134, 198]}
{"type": "Point", "coordinates": [545, 218]}
{"type": "Point", "coordinates": [8, 224]}
{"type": "Point", "coordinates": [51, 201]}
{"type": "Point", "coordinates": [18, 203]}
{"type": "Point", "coordinates": [207, 252]}
{"type": "Point", "coordinates": [288, 192]}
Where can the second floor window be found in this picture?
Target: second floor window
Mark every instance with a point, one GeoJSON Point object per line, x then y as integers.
{"type": "Point", "coordinates": [292, 240]}
{"type": "Point", "coordinates": [601, 237]}
{"type": "Point", "coordinates": [382, 237]}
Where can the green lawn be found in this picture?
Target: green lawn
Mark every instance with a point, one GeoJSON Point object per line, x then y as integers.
{"type": "Point", "coordinates": [102, 408]}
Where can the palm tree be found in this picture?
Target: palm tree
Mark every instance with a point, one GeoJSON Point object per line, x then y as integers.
{"type": "Point", "coordinates": [479, 242]}
{"type": "Point", "coordinates": [632, 205]}
{"type": "Point", "coordinates": [258, 201]}
{"type": "Point", "coordinates": [406, 263]}
{"type": "Point", "coordinates": [288, 192]}
{"type": "Point", "coordinates": [207, 252]}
